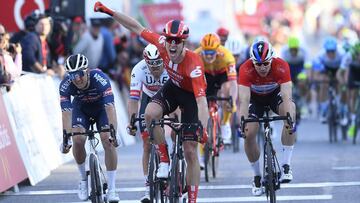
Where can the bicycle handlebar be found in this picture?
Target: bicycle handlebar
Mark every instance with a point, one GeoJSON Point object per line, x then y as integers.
{"type": "Point", "coordinates": [265, 120]}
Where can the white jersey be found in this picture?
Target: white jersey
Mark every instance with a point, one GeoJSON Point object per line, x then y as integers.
{"type": "Point", "coordinates": [143, 80]}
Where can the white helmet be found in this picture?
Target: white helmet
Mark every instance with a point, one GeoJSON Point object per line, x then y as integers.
{"type": "Point", "coordinates": [76, 62]}
{"type": "Point", "coordinates": [234, 46]}
{"type": "Point", "coordinates": [152, 55]}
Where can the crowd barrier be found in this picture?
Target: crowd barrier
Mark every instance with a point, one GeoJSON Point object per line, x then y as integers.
{"type": "Point", "coordinates": [31, 129]}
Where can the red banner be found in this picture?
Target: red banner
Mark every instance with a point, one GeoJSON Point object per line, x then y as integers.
{"type": "Point", "coordinates": [13, 12]}
{"type": "Point", "coordinates": [157, 15]}
{"type": "Point", "coordinates": [12, 169]}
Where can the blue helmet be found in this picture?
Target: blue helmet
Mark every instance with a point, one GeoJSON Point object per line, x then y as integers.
{"type": "Point", "coordinates": [330, 43]}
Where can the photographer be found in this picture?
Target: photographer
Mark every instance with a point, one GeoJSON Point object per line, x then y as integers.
{"type": "Point", "coordinates": [11, 62]}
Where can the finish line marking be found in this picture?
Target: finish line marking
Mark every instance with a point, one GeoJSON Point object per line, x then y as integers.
{"type": "Point", "coordinates": [343, 168]}
{"type": "Point", "coordinates": [251, 199]}
{"type": "Point", "coordinates": [204, 187]}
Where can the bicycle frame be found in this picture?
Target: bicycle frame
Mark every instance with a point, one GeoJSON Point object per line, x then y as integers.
{"type": "Point", "coordinates": [98, 184]}
{"type": "Point", "coordinates": [271, 170]}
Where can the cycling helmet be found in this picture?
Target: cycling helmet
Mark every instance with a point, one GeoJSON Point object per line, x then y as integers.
{"type": "Point", "coordinates": [177, 29]}
{"type": "Point", "coordinates": [293, 42]}
{"type": "Point", "coordinates": [261, 52]}
{"type": "Point", "coordinates": [330, 44]}
{"type": "Point", "coordinates": [76, 62]}
{"type": "Point", "coordinates": [222, 32]}
{"type": "Point", "coordinates": [210, 41]}
{"type": "Point", "coordinates": [152, 55]}
{"type": "Point", "coordinates": [234, 46]}
{"type": "Point", "coordinates": [355, 49]}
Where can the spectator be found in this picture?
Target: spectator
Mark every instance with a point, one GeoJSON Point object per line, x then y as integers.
{"type": "Point", "coordinates": [91, 44]}
{"type": "Point", "coordinates": [223, 34]}
{"type": "Point", "coordinates": [11, 58]}
{"type": "Point", "coordinates": [77, 29]}
{"type": "Point", "coordinates": [136, 50]}
{"type": "Point", "coordinates": [108, 57]}
{"type": "Point", "coordinates": [36, 53]}
{"type": "Point", "coordinates": [29, 22]}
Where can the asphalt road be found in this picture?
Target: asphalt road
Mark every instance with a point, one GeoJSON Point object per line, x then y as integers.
{"type": "Point", "coordinates": [323, 172]}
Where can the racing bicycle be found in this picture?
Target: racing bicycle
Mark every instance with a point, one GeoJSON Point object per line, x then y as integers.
{"type": "Point", "coordinates": [97, 177]}
{"type": "Point", "coordinates": [271, 169]}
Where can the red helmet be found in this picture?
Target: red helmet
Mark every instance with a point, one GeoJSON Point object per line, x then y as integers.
{"type": "Point", "coordinates": [176, 28]}
{"type": "Point", "coordinates": [222, 31]}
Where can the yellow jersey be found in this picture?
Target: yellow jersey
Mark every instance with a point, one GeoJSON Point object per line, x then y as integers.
{"type": "Point", "coordinates": [224, 62]}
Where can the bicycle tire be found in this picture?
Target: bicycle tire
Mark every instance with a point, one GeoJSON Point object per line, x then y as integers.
{"type": "Point", "coordinates": [153, 184]}
{"type": "Point", "coordinates": [270, 173]}
{"type": "Point", "coordinates": [174, 181]}
{"type": "Point", "coordinates": [206, 161]}
{"type": "Point", "coordinates": [96, 187]}
{"type": "Point", "coordinates": [235, 139]}
{"type": "Point", "coordinates": [215, 157]}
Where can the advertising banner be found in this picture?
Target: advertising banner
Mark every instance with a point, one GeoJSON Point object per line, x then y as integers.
{"type": "Point", "coordinates": [12, 170]}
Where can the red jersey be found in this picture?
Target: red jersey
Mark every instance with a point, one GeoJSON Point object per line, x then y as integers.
{"type": "Point", "coordinates": [189, 74]}
{"type": "Point", "coordinates": [278, 74]}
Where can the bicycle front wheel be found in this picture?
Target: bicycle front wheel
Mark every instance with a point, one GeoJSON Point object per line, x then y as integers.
{"type": "Point", "coordinates": [154, 183]}
{"type": "Point", "coordinates": [96, 188]}
{"type": "Point", "coordinates": [174, 181]}
{"type": "Point", "coordinates": [270, 173]}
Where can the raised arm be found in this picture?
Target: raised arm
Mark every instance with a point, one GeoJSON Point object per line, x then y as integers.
{"type": "Point", "coordinates": [125, 20]}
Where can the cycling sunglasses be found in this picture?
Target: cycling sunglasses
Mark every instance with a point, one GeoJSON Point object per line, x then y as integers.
{"type": "Point", "coordinates": [75, 74]}
{"type": "Point", "coordinates": [209, 52]}
{"type": "Point", "coordinates": [157, 62]}
{"type": "Point", "coordinates": [174, 40]}
{"type": "Point", "coordinates": [266, 63]}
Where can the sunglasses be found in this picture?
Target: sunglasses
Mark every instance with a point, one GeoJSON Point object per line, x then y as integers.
{"type": "Point", "coordinates": [76, 74]}
{"type": "Point", "coordinates": [266, 63]}
{"type": "Point", "coordinates": [174, 40]}
{"type": "Point", "coordinates": [157, 62]}
{"type": "Point", "coordinates": [209, 52]}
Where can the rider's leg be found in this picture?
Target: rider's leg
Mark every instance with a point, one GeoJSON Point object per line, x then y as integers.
{"type": "Point", "coordinates": [146, 153]}
{"type": "Point", "coordinates": [79, 151]}
{"type": "Point", "coordinates": [251, 147]}
{"type": "Point", "coordinates": [323, 96]}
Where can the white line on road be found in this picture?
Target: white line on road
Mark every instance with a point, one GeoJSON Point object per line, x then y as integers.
{"type": "Point", "coordinates": [346, 168]}
{"type": "Point", "coordinates": [251, 199]}
{"type": "Point", "coordinates": [203, 187]}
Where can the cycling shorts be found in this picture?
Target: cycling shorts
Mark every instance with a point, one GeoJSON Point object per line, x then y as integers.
{"type": "Point", "coordinates": [259, 102]}
{"type": "Point", "coordinates": [170, 96]}
{"type": "Point", "coordinates": [354, 78]}
{"type": "Point", "coordinates": [214, 83]}
{"type": "Point", "coordinates": [145, 99]}
{"type": "Point", "coordinates": [82, 113]}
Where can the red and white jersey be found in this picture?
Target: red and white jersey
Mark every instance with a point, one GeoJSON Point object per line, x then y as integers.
{"type": "Point", "coordinates": [189, 74]}
{"type": "Point", "coordinates": [143, 80]}
{"type": "Point", "coordinates": [279, 74]}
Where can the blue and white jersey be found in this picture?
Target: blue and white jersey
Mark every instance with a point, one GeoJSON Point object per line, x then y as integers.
{"type": "Point", "coordinates": [323, 62]}
{"type": "Point", "coordinates": [99, 91]}
{"type": "Point", "coordinates": [143, 81]}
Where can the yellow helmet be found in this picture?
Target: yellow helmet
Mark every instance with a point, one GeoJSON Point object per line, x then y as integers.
{"type": "Point", "coordinates": [210, 41]}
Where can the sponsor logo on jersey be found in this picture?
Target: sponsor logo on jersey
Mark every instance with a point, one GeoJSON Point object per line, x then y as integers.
{"type": "Point", "coordinates": [65, 85]}
{"type": "Point", "coordinates": [161, 39]}
{"type": "Point", "coordinates": [196, 72]}
{"type": "Point", "coordinates": [108, 92]}
{"type": "Point", "coordinates": [100, 79]}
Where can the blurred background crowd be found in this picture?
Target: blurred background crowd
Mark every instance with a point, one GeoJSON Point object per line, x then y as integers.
{"type": "Point", "coordinates": [53, 29]}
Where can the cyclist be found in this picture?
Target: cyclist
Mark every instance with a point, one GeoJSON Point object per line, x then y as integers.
{"type": "Point", "coordinates": [223, 33]}
{"type": "Point", "coordinates": [325, 67]}
{"type": "Point", "coordinates": [264, 80]}
{"type": "Point", "coordinates": [93, 98]}
{"type": "Point", "coordinates": [235, 46]}
{"type": "Point", "coordinates": [186, 89]}
{"type": "Point", "coordinates": [147, 77]}
{"type": "Point", "coordinates": [351, 66]}
{"type": "Point", "coordinates": [220, 75]}
{"type": "Point", "coordinates": [297, 58]}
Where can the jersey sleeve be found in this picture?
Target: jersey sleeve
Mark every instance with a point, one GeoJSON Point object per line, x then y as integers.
{"type": "Point", "coordinates": [284, 72]}
{"type": "Point", "coordinates": [230, 66]}
{"type": "Point", "coordinates": [136, 83]}
{"type": "Point", "coordinates": [65, 96]}
{"type": "Point", "coordinates": [243, 78]}
{"type": "Point", "coordinates": [197, 76]}
{"type": "Point", "coordinates": [345, 61]}
{"type": "Point", "coordinates": [104, 86]}
{"type": "Point", "coordinates": [153, 38]}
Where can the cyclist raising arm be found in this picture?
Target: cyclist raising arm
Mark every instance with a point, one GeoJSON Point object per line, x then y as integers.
{"type": "Point", "coordinates": [185, 89]}
{"type": "Point", "coordinates": [93, 98]}
{"type": "Point", "coordinates": [265, 81]}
